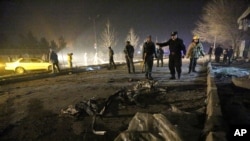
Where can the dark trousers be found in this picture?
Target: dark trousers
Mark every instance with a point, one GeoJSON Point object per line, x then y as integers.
{"type": "Point", "coordinates": [175, 64]}
{"type": "Point", "coordinates": [210, 57]}
{"type": "Point", "coordinates": [217, 58]}
{"type": "Point", "coordinates": [111, 62]}
{"type": "Point", "coordinates": [55, 67]}
{"type": "Point", "coordinates": [130, 64]}
{"type": "Point", "coordinates": [229, 60]}
{"type": "Point", "coordinates": [148, 65]}
{"type": "Point", "coordinates": [160, 59]}
{"type": "Point", "coordinates": [224, 58]}
{"type": "Point", "coordinates": [192, 64]}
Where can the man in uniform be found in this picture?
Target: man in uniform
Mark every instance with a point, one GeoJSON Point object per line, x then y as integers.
{"type": "Point", "coordinates": [129, 54]}
{"type": "Point", "coordinates": [53, 58]}
{"type": "Point", "coordinates": [176, 47]}
{"type": "Point", "coordinates": [217, 52]}
{"type": "Point", "coordinates": [148, 58]}
{"type": "Point", "coordinates": [111, 58]}
{"type": "Point", "coordinates": [160, 54]}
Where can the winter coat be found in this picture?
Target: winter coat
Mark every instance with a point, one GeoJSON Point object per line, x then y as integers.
{"type": "Point", "coordinates": [129, 51]}
{"type": "Point", "coordinates": [195, 50]}
{"type": "Point", "coordinates": [160, 52]}
{"type": "Point", "coordinates": [53, 57]}
{"type": "Point", "coordinates": [175, 47]}
{"type": "Point", "coordinates": [148, 50]}
{"type": "Point", "coordinates": [230, 53]}
{"type": "Point", "coordinates": [218, 51]}
{"type": "Point", "coordinates": [111, 52]}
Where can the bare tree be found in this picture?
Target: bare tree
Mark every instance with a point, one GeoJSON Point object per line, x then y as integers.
{"type": "Point", "coordinates": [61, 43]}
{"type": "Point", "coordinates": [132, 37]}
{"type": "Point", "coordinates": [108, 36]}
{"type": "Point", "coordinates": [218, 24]}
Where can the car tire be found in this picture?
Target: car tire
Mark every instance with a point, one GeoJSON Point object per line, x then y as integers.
{"type": "Point", "coordinates": [19, 70]}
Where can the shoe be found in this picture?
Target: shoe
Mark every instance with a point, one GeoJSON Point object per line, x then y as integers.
{"type": "Point", "coordinates": [194, 71]}
{"type": "Point", "coordinates": [150, 78]}
{"type": "Point", "coordinates": [172, 78]}
{"type": "Point", "coordinates": [179, 76]}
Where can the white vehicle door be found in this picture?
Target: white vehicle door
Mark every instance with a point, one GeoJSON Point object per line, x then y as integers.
{"type": "Point", "coordinates": [25, 63]}
{"type": "Point", "coordinates": [37, 64]}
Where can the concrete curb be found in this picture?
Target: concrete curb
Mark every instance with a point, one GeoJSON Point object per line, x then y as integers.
{"type": "Point", "coordinates": [214, 126]}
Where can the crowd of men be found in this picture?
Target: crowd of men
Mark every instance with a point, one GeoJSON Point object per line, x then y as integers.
{"type": "Point", "coordinates": [151, 50]}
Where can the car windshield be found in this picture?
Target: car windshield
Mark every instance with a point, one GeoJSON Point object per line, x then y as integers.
{"type": "Point", "coordinates": [25, 60]}
{"type": "Point", "coordinates": [30, 60]}
{"type": "Point", "coordinates": [36, 60]}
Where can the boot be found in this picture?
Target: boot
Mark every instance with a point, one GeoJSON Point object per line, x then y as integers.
{"type": "Point", "coordinates": [179, 76]}
{"type": "Point", "coordinates": [129, 71]}
{"type": "Point", "coordinates": [172, 77]}
{"type": "Point", "coordinates": [146, 75]}
{"type": "Point", "coordinates": [189, 71]}
{"type": "Point", "coordinates": [150, 77]}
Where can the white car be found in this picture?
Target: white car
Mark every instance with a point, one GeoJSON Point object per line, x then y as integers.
{"type": "Point", "coordinates": [28, 64]}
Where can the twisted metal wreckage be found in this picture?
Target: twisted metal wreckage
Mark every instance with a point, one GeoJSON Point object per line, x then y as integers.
{"type": "Point", "coordinates": [128, 96]}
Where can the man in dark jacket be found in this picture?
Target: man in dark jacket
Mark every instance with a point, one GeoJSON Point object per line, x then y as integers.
{"type": "Point", "coordinates": [217, 52]}
{"type": "Point", "coordinates": [54, 60]}
{"type": "Point", "coordinates": [210, 52]}
{"type": "Point", "coordinates": [230, 55]}
{"type": "Point", "coordinates": [160, 53]}
{"type": "Point", "coordinates": [129, 55]}
{"type": "Point", "coordinates": [148, 57]}
{"type": "Point", "coordinates": [176, 47]}
{"type": "Point", "coordinates": [111, 58]}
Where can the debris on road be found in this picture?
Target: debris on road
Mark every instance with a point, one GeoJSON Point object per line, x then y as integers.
{"type": "Point", "coordinates": [125, 96]}
{"type": "Point", "coordinates": [145, 126]}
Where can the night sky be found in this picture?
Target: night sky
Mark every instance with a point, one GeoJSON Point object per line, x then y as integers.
{"type": "Point", "coordinates": [70, 19]}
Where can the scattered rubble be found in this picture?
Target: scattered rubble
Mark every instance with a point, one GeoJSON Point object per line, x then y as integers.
{"type": "Point", "coordinates": [242, 82]}
{"type": "Point", "coordinates": [145, 126]}
{"type": "Point", "coordinates": [125, 96]}
{"type": "Point", "coordinates": [240, 77]}
{"type": "Point", "coordinates": [221, 72]}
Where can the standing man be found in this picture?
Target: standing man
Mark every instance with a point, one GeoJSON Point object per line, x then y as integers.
{"type": "Point", "coordinates": [195, 50]}
{"type": "Point", "coordinates": [225, 51]}
{"type": "Point", "coordinates": [129, 55]}
{"type": "Point", "coordinates": [230, 55]}
{"type": "Point", "coordinates": [54, 60]}
{"type": "Point", "coordinates": [210, 52]}
{"type": "Point", "coordinates": [217, 52]}
{"type": "Point", "coordinates": [70, 60]}
{"type": "Point", "coordinates": [111, 58]}
{"type": "Point", "coordinates": [160, 54]}
{"type": "Point", "coordinates": [148, 57]}
{"type": "Point", "coordinates": [176, 47]}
